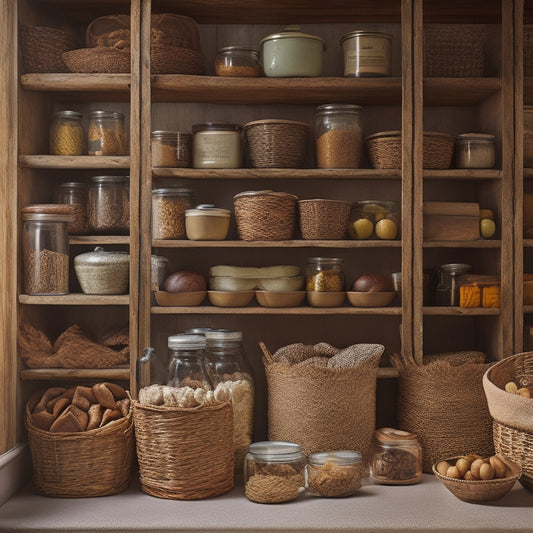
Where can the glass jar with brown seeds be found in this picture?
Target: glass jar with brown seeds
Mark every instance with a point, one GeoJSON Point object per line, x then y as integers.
{"type": "Point", "coordinates": [325, 274]}
{"type": "Point", "coordinates": [108, 205]}
{"type": "Point", "coordinates": [168, 212]}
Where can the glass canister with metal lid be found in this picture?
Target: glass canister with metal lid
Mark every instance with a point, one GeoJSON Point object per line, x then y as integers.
{"type": "Point", "coordinates": [75, 193]}
{"type": "Point", "coordinates": [67, 136]}
{"type": "Point", "coordinates": [107, 134]}
{"type": "Point", "coordinates": [367, 54]}
{"type": "Point", "coordinates": [447, 287]}
{"type": "Point", "coordinates": [238, 61]}
{"type": "Point", "coordinates": [186, 362]}
{"type": "Point", "coordinates": [325, 274]}
{"type": "Point", "coordinates": [108, 204]}
{"type": "Point", "coordinates": [475, 150]}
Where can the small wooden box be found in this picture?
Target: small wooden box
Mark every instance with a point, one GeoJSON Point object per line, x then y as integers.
{"type": "Point", "coordinates": [451, 221]}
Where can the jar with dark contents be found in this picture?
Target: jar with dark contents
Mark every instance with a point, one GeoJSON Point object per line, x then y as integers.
{"type": "Point", "coordinates": [75, 193]}
{"type": "Point", "coordinates": [108, 206]}
{"type": "Point", "coordinates": [325, 274]}
{"type": "Point", "coordinates": [237, 61]}
{"type": "Point", "coordinates": [395, 457]}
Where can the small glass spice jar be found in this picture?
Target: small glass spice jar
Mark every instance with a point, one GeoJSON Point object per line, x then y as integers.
{"type": "Point", "coordinates": [186, 362]}
{"type": "Point", "coordinates": [367, 54]}
{"type": "Point", "coordinates": [338, 136]}
{"type": "Point", "coordinates": [274, 471]}
{"type": "Point", "coordinates": [217, 145]}
{"type": "Point", "coordinates": [108, 205]}
{"type": "Point", "coordinates": [334, 474]}
{"type": "Point", "coordinates": [67, 136]}
{"type": "Point", "coordinates": [475, 150]}
{"type": "Point", "coordinates": [448, 287]}
{"type": "Point", "coordinates": [168, 212]}
{"type": "Point", "coordinates": [395, 457]}
{"type": "Point", "coordinates": [325, 274]}
{"type": "Point", "coordinates": [107, 135]}
{"type": "Point", "coordinates": [237, 61]}
{"type": "Point", "coordinates": [171, 149]}
{"type": "Point", "coordinates": [75, 193]}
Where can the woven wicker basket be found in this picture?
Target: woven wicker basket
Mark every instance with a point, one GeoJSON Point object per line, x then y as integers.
{"type": "Point", "coordinates": [184, 453]}
{"type": "Point", "coordinates": [265, 215]}
{"type": "Point", "coordinates": [100, 59]}
{"type": "Point", "coordinates": [173, 60]}
{"type": "Point", "coordinates": [528, 50]}
{"type": "Point", "coordinates": [81, 465]}
{"type": "Point", "coordinates": [273, 143]}
{"type": "Point", "coordinates": [454, 51]}
{"type": "Point", "coordinates": [108, 31]}
{"type": "Point", "coordinates": [324, 219]}
{"type": "Point", "coordinates": [43, 47]}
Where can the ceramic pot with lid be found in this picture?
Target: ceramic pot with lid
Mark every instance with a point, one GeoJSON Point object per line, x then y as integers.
{"type": "Point", "coordinates": [207, 223]}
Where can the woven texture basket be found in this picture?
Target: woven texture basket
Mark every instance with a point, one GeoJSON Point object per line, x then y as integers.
{"type": "Point", "coordinates": [454, 50]}
{"type": "Point", "coordinates": [324, 219]}
{"type": "Point", "coordinates": [276, 143]}
{"type": "Point", "coordinates": [528, 50]}
{"type": "Point", "coordinates": [101, 59]}
{"type": "Point", "coordinates": [81, 465]}
{"type": "Point", "coordinates": [265, 215]}
{"type": "Point", "coordinates": [173, 60]}
{"type": "Point", "coordinates": [445, 406]}
{"type": "Point", "coordinates": [175, 30]}
{"type": "Point", "coordinates": [184, 453]}
{"type": "Point", "coordinates": [42, 48]}
{"type": "Point", "coordinates": [109, 30]}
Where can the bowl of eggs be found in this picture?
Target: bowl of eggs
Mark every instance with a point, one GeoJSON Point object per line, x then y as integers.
{"type": "Point", "coordinates": [472, 478]}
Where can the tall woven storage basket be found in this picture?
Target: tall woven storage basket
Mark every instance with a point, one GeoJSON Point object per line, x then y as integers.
{"type": "Point", "coordinates": [445, 406]}
{"type": "Point", "coordinates": [324, 219]}
{"type": "Point", "coordinates": [512, 413]}
{"type": "Point", "coordinates": [184, 453]}
{"type": "Point", "coordinates": [81, 465]}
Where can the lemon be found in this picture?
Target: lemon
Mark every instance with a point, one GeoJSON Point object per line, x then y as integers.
{"type": "Point", "coordinates": [487, 227]}
{"type": "Point", "coordinates": [386, 229]}
{"type": "Point", "coordinates": [362, 229]}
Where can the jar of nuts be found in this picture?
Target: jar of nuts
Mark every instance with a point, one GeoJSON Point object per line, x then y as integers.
{"type": "Point", "coordinates": [325, 274]}
{"type": "Point", "coordinates": [108, 205]}
{"type": "Point", "coordinates": [168, 212]}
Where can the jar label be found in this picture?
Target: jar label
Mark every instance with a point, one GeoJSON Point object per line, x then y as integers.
{"type": "Point", "coordinates": [367, 56]}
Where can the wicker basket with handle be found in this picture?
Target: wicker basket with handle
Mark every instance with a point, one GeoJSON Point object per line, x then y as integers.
{"type": "Point", "coordinates": [324, 219]}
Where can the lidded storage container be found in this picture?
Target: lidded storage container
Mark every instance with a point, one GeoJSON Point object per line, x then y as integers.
{"type": "Point", "coordinates": [168, 212]}
{"type": "Point", "coordinates": [475, 150]}
{"type": "Point", "coordinates": [274, 471]}
{"type": "Point", "coordinates": [75, 193]}
{"type": "Point", "coordinates": [338, 136]}
{"type": "Point", "coordinates": [325, 274]}
{"type": "Point", "coordinates": [186, 362]}
{"type": "Point", "coordinates": [367, 54]}
{"type": "Point", "coordinates": [238, 61]}
{"type": "Point", "coordinates": [171, 149]}
{"type": "Point", "coordinates": [67, 136]}
{"type": "Point", "coordinates": [396, 457]}
{"type": "Point", "coordinates": [207, 223]}
{"type": "Point", "coordinates": [45, 248]}
{"type": "Point", "coordinates": [448, 287]}
{"type": "Point", "coordinates": [217, 145]}
{"type": "Point", "coordinates": [107, 134]}
{"type": "Point", "coordinates": [108, 205]}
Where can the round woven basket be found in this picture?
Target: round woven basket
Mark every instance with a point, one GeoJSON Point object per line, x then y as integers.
{"type": "Point", "coordinates": [273, 143]}
{"type": "Point", "coordinates": [265, 215]}
{"type": "Point", "coordinates": [184, 453]}
{"type": "Point", "coordinates": [42, 48]}
{"type": "Point", "coordinates": [99, 59]}
{"type": "Point", "coordinates": [324, 219]}
{"type": "Point", "coordinates": [173, 60]}
{"type": "Point", "coordinates": [454, 50]}
{"type": "Point", "coordinates": [108, 30]}
{"type": "Point", "coordinates": [81, 465]}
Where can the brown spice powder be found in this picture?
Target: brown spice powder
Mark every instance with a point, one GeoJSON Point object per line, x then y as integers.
{"type": "Point", "coordinates": [45, 272]}
{"type": "Point", "coordinates": [338, 149]}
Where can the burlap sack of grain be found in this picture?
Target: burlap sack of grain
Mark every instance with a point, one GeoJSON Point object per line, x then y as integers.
{"type": "Point", "coordinates": [324, 408]}
{"type": "Point", "coordinates": [445, 406]}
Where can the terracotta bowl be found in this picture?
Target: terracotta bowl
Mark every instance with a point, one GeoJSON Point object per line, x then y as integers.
{"type": "Point", "coordinates": [370, 299]}
{"type": "Point", "coordinates": [179, 299]}
{"type": "Point", "coordinates": [325, 299]}
{"type": "Point", "coordinates": [230, 298]}
{"type": "Point", "coordinates": [279, 298]}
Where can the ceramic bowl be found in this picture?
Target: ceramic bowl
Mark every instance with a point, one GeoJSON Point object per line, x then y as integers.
{"type": "Point", "coordinates": [282, 284]}
{"type": "Point", "coordinates": [279, 298]}
{"type": "Point", "coordinates": [179, 299]}
{"type": "Point", "coordinates": [370, 299]}
{"type": "Point", "coordinates": [325, 299]}
{"type": "Point", "coordinates": [230, 298]}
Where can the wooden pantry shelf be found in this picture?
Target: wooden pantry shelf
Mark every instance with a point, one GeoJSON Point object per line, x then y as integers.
{"type": "Point", "coordinates": [528, 90]}
{"type": "Point", "coordinates": [463, 174]}
{"type": "Point", "coordinates": [527, 308]}
{"type": "Point", "coordinates": [229, 90]}
{"type": "Point", "coordinates": [99, 239]}
{"type": "Point", "coordinates": [75, 299]}
{"type": "Point", "coordinates": [461, 311]}
{"type": "Point", "coordinates": [459, 91]}
{"type": "Point", "coordinates": [74, 162]}
{"type": "Point", "coordinates": [38, 374]}
{"type": "Point", "coordinates": [256, 310]}
{"type": "Point", "coordinates": [528, 243]}
{"type": "Point", "coordinates": [528, 172]}
{"type": "Point", "coordinates": [481, 243]}
{"type": "Point", "coordinates": [159, 243]}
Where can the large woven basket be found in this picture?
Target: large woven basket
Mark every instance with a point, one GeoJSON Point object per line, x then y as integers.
{"type": "Point", "coordinates": [81, 465]}
{"type": "Point", "coordinates": [173, 60]}
{"type": "Point", "coordinates": [106, 60]}
{"type": "Point", "coordinates": [265, 215]}
{"type": "Point", "coordinates": [42, 48]}
{"type": "Point", "coordinates": [324, 219]}
{"type": "Point", "coordinates": [454, 50]}
{"type": "Point", "coordinates": [274, 143]}
{"type": "Point", "coordinates": [184, 453]}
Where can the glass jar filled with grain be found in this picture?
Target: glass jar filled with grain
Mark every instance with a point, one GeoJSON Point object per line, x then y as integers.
{"type": "Point", "coordinates": [168, 212]}
{"type": "Point", "coordinates": [338, 136]}
{"type": "Point", "coordinates": [75, 193]}
{"type": "Point", "coordinates": [238, 61]}
{"type": "Point", "coordinates": [325, 274]}
{"type": "Point", "coordinates": [108, 205]}
{"type": "Point", "coordinates": [67, 136]}
{"type": "Point", "coordinates": [171, 149]}
{"type": "Point", "coordinates": [107, 134]}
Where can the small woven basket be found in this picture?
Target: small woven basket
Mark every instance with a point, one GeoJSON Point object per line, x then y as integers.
{"type": "Point", "coordinates": [81, 465]}
{"type": "Point", "coordinates": [42, 48]}
{"type": "Point", "coordinates": [100, 59]}
{"type": "Point", "coordinates": [528, 50]}
{"type": "Point", "coordinates": [454, 50]}
{"type": "Point", "coordinates": [324, 219]}
{"type": "Point", "coordinates": [265, 215]}
{"type": "Point", "coordinates": [273, 143]}
{"type": "Point", "coordinates": [173, 60]}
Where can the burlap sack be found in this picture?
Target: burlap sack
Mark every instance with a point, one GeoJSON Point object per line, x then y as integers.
{"type": "Point", "coordinates": [445, 406]}
{"type": "Point", "coordinates": [509, 409]}
{"type": "Point", "coordinates": [323, 408]}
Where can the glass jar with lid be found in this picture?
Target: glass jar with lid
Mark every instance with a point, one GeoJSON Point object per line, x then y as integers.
{"type": "Point", "coordinates": [158, 271]}
{"type": "Point", "coordinates": [325, 274]}
{"type": "Point", "coordinates": [367, 54]}
{"type": "Point", "coordinates": [338, 136]}
{"type": "Point", "coordinates": [108, 205]}
{"type": "Point", "coordinates": [475, 150]}
{"type": "Point", "coordinates": [168, 212]}
{"type": "Point", "coordinates": [75, 193]}
{"type": "Point", "coordinates": [45, 246]}
{"type": "Point", "coordinates": [171, 149]}
{"type": "Point", "coordinates": [217, 145]}
{"type": "Point", "coordinates": [447, 287]}
{"type": "Point", "coordinates": [395, 457]}
{"type": "Point", "coordinates": [107, 134]}
{"type": "Point", "coordinates": [274, 471]}
{"type": "Point", "coordinates": [238, 61]}
{"type": "Point", "coordinates": [67, 136]}
{"type": "Point", "coordinates": [186, 362]}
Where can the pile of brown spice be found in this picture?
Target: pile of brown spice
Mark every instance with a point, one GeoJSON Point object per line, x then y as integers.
{"type": "Point", "coordinates": [332, 479]}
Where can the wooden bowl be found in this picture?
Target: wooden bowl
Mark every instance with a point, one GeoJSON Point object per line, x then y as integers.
{"type": "Point", "coordinates": [480, 490]}
{"type": "Point", "coordinates": [370, 299]}
{"type": "Point", "coordinates": [280, 298]}
{"type": "Point", "coordinates": [230, 298]}
{"type": "Point", "coordinates": [325, 299]}
{"type": "Point", "coordinates": [179, 299]}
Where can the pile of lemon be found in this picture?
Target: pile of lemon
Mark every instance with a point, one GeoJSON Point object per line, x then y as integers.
{"type": "Point", "coordinates": [373, 220]}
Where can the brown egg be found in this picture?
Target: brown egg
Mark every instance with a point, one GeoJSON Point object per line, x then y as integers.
{"type": "Point", "coordinates": [524, 392]}
{"type": "Point", "coordinates": [486, 471]}
{"type": "Point", "coordinates": [500, 468]}
{"type": "Point", "coordinates": [472, 457]}
{"type": "Point", "coordinates": [476, 466]}
{"type": "Point", "coordinates": [442, 467]}
{"type": "Point", "coordinates": [463, 465]}
{"type": "Point", "coordinates": [453, 471]}
{"type": "Point", "coordinates": [468, 476]}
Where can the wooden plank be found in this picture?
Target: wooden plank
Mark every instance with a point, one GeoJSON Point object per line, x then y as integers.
{"type": "Point", "coordinates": [481, 243]}
{"type": "Point", "coordinates": [45, 374]}
{"type": "Point", "coordinates": [74, 162]}
{"type": "Point", "coordinates": [461, 311]}
{"type": "Point", "coordinates": [68, 82]}
{"type": "Point", "coordinates": [256, 310]}
{"type": "Point", "coordinates": [463, 174]}
{"type": "Point", "coordinates": [75, 299]}
{"type": "Point", "coordinates": [459, 91]}
{"type": "Point", "coordinates": [158, 243]}
{"type": "Point", "coordinates": [99, 239]}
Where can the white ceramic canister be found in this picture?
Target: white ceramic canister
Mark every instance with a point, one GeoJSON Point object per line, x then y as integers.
{"type": "Point", "coordinates": [217, 145]}
{"type": "Point", "coordinates": [367, 54]}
